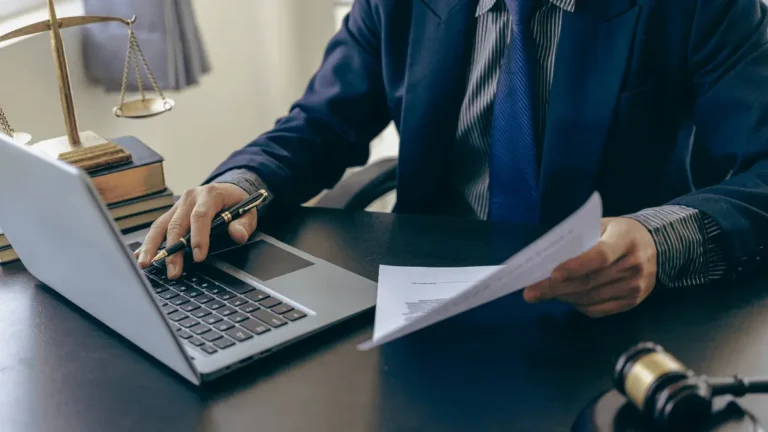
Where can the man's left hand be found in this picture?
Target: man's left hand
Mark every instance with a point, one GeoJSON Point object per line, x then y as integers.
{"type": "Point", "coordinates": [613, 276]}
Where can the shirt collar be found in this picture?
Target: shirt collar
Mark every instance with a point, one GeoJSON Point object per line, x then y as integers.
{"type": "Point", "coordinates": [485, 5]}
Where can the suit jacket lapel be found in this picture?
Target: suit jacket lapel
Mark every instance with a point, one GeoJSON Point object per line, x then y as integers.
{"type": "Point", "coordinates": [591, 57]}
{"type": "Point", "coordinates": [442, 33]}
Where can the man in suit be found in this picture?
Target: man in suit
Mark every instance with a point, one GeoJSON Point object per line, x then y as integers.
{"type": "Point", "coordinates": [517, 110]}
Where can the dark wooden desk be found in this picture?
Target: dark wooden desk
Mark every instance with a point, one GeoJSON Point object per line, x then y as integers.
{"type": "Point", "coordinates": [505, 366]}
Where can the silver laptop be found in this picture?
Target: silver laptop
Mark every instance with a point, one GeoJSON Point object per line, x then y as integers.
{"type": "Point", "coordinates": [244, 304]}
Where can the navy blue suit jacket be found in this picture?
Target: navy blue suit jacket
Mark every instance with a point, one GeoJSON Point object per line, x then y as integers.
{"type": "Point", "coordinates": [640, 88]}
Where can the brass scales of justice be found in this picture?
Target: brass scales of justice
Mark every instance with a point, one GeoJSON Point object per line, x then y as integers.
{"type": "Point", "coordinates": [87, 150]}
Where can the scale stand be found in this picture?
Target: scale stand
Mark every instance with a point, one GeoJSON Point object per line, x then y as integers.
{"type": "Point", "coordinates": [86, 149]}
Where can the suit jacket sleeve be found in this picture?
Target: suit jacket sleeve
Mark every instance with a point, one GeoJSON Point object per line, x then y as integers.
{"type": "Point", "coordinates": [331, 126]}
{"type": "Point", "coordinates": [728, 60]}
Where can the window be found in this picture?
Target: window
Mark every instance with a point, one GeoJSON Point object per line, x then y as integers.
{"type": "Point", "coordinates": [10, 8]}
{"type": "Point", "coordinates": [340, 9]}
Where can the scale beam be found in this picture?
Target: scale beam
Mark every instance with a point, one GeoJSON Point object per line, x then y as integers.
{"type": "Point", "coordinates": [45, 26]}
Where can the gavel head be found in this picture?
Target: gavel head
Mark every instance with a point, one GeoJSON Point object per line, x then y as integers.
{"type": "Point", "coordinates": [667, 393]}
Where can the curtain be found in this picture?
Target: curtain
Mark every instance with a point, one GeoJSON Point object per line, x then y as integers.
{"type": "Point", "coordinates": [167, 33]}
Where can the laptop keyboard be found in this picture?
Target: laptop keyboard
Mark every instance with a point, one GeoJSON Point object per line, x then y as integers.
{"type": "Point", "coordinates": [214, 310]}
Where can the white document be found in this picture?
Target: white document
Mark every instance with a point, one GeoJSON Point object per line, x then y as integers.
{"type": "Point", "coordinates": [406, 293]}
{"type": "Point", "coordinates": [411, 298]}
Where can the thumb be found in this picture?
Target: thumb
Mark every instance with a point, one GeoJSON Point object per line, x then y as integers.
{"type": "Point", "coordinates": [616, 237]}
{"type": "Point", "coordinates": [241, 229]}
{"type": "Point", "coordinates": [613, 242]}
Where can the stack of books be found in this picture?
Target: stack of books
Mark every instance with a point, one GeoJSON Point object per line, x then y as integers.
{"type": "Point", "coordinates": [7, 253]}
{"type": "Point", "coordinates": [135, 193]}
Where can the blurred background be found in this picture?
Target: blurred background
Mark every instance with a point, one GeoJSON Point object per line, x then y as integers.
{"type": "Point", "coordinates": [261, 52]}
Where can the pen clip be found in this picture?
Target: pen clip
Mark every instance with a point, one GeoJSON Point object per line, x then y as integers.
{"type": "Point", "coordinates": [258, 202]}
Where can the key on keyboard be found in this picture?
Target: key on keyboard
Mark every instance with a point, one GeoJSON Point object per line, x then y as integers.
{"type": "Point", "coordinates": [282, 308]}
{"type": "Point", "coordinates": [199, 329]}
{"type": "Point", "coordinates": [237, 317]}
{"type": "Point", "coordinates": [223, 343]}
{"type": "Point", "coordinates": [249, 307]}
{"type": "Point", "coordinates": [177, 316]}
{"type": "Point", "coordinates": [167, 295]}
{"type": "Point", "coordinates": [223, 326]}
{"type": "Point", "coordinates": [256, 295]}
{"type": "Point", "coordinates": [255, 326]}
{"type": "Point", "coordinates": [196, 341]}
{"type": "Point", "coordinates": [294, 315]}
{"type": "Point", "coordinates": [226, 295]}
{"type": "Point", "coordinates": [212, 319]}
{"type": "Point", "coordinates": [269, 303]}
{"type": "Point", "coordinates": [209, 349]}
{"type": "Point", "coordinates": [215, 305]}
{"type": "Point", "coordinates": [237, 301]}
{"type": "Point", "coordinates": [194, 292]}
{"type": "Point", "coordinates": [211, 336]}
{"type": "Point", "coordinates": [203, 299]}
{"type": "Point", "coordinates": [156, 283]}
{"type": "Point", "coordinates": [226, 311]}
{"type": "Point", "coordinates": [189, 307]}
{"type": "Point", "coordinates": [239, 334]}
{"type": "Point", "coordinates": [181, 286]}
{"type": "Point", "coordinates": [194, 278]}
{"type": "Point", "coordinates": [212, 289]}
{"type": "Point", "coordinates": [178, 301]}
{"type": "Point", "coordinates": [269, 318]}
{"type": "Point", "coordinates": [167, 309]}
{"type": "Point", "coordinates": [188, 322]}
{"type": "Point", "coordinates": [201, 313]}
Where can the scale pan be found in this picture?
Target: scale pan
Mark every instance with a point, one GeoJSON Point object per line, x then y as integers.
{"type": "Point", "coordinates": [22, 138]}
{"type": "Point", "coordinates": [144, 108]}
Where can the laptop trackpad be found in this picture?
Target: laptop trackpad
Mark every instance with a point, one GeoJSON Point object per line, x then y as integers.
{"type": "Point", "coordinates": [263, 260]}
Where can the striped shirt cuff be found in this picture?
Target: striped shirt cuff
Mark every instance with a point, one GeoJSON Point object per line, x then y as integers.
{"type": "Point", "coordinates": [247, 180]}
{"type": "Point", "coordinates": [687, 245]}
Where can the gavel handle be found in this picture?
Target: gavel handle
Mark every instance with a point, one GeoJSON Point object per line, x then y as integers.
{"type": "Point", "coordinates": [738, 386]}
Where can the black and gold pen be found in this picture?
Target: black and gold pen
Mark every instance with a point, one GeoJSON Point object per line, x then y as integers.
{"type": "Point", "coordinates": [234, 213]}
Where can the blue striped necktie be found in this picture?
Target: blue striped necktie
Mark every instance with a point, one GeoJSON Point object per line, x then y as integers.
{"type": "Point", "coordinates": [513, 176]}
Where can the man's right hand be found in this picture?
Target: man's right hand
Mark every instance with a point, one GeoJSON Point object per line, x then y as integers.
{"type": "Point", "coordinates": [195, 210]}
